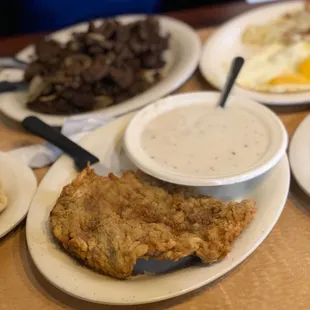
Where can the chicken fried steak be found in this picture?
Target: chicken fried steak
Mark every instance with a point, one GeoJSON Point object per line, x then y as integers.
{"type": "Point", "coordinates": [110, 222]}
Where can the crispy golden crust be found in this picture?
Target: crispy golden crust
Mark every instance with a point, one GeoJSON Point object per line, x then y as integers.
{"type": "Point", "coordinates": [110, 222]}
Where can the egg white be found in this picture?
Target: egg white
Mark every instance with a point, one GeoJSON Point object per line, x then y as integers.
{"type": "Point", "coordinates": [273, 61]}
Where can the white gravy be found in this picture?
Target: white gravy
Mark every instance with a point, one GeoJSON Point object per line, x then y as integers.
{"type": "Point", "coordinates": [205, 140]}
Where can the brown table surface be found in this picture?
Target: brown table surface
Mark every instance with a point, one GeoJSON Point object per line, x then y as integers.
{"type": "Point", "coordinates": [275, 276]}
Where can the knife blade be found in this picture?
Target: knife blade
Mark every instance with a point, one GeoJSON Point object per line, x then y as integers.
{"type": "Point", "coordinates": [80, 156]}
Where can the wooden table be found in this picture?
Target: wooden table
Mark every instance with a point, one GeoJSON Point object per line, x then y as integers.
{"type": "Point", "coordinates": [275, 276]}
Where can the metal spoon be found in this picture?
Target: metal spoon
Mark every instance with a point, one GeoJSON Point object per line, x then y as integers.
{"type": "Point", "coordinates": [234, 70]}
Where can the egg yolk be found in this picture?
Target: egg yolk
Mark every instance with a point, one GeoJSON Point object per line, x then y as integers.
{"type": "Point", "coordinates": [304, 68]}
{"type": "Point", "coordinates": [289, 79]}
{"type": "Point", "coordinates": [301, 77]}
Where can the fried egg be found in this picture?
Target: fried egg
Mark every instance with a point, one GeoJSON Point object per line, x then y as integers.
{"type": "Point", "coordinates": [278, 69]}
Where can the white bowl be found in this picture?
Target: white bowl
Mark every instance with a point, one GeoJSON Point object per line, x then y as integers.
{"type": "Point", "coordinates": [277, 140]}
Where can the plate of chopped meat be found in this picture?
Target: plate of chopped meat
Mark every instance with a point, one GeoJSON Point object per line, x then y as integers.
{"type": "Point", "coordinates": [148, 239]}
{"type": "Point", "coordinates": [110, 66]}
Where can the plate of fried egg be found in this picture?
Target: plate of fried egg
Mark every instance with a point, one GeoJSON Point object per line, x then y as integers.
{"type": "Point", "coordinates": [275, 42]}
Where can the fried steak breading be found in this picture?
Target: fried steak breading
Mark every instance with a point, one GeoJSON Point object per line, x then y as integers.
{"type": "Point", "coordinates": [110, 222]}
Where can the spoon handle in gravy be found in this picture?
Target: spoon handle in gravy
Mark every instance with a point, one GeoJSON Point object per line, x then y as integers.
{"type": "Point", "coordinates": [235, 68]}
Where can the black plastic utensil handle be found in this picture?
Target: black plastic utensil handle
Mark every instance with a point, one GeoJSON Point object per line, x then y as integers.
{"type": "Point", "coordinates": [80, 156]}
{"type": "Point", "coordinates": [6, 86]}
{"type": "Point", "coordinates": [232, 75]}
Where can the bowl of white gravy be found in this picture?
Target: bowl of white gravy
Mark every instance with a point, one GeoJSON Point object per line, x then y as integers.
{"type": "Point", "coordinates": [187, 139]}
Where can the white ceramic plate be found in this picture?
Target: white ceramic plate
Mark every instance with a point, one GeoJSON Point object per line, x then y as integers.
{"type": "Point", "coordinates": [182, 59]}
{"type": "Point", "coordinates": [299, 155]}
{"type": "Point", "coordinates": [278, 139]}
{"type": "Point", "coordinates": [270, 191]}
{"type": "Point", "coordinates": [19, 184]}
{"type": "Point", "coordinates": [225, 44]}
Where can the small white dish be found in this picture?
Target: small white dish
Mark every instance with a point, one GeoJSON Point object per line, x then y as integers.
{"type": "Point", "coordinates": [19, 185]}
{"type": "Point", "coordinates": [215, 57]}
{"type": "Point", "coordinates": [274, 148]}
{"type": "Point", "coordinates": [299, 155]}
{"type": "Point", "coordinates": [269, 191]}
{"type": "Point", "coordinates": [182, 59]}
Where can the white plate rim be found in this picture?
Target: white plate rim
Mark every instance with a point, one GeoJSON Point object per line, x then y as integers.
{"type": "Point", "coordinates": [218, 82]}
{"type": "Point", "coordinates": [137, 155]}
{"type": "Point", "coordinates": [183, 34]}
{"type": "Point", "coordinates": [65, 162]}
{"type": "Point", "coordinates": [26, 184]}
{"type": "Point", "coordinates": [296, 147]}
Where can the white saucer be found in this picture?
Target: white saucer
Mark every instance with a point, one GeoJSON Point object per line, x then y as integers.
{"type": "Point", "coordinates": [225, 44]}
{"type": "Point", "coordinates": [19, 184]}
{"type": "Point", "coordinates": [182, 59]}
{"type": "Point", "coordinates": [270, 192]}
{"type": "Point", "coordinates": [277, 145]}
{"type": "Point", "coordinates": [299, 155]}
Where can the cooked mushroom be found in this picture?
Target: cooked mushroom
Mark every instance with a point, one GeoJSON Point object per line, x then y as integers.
{"type": "Point", "coordinates": [36, 88]}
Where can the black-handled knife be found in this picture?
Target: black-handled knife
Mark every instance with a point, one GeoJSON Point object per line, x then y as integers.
{"type": "Point", "coordinates": [80, 156]}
